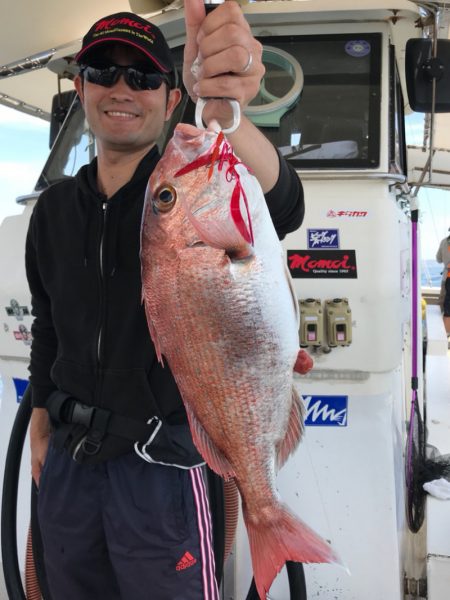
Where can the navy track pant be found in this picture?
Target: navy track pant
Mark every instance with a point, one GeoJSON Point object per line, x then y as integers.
{"type": "Point", "coordinates": [125, 530]}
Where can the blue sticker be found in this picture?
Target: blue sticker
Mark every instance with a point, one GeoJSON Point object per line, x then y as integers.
{"type": "Point", "coordinates": [357, 48]}
{"type": "Point", "coordinates": [326, 411]}
{"type": "Point", "coordinates": [323, 238]}
{"type": "Point", "coordinates": [21, 386]}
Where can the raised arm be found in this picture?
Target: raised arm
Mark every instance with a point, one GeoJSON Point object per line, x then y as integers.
{"type": "Point", "coordinates": [229, 66]}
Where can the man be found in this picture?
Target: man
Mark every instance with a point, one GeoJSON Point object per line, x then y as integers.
{"type": "Point", "coordinates": [114, 526]}
{"type": "Point", "coordinates": [443, 256]}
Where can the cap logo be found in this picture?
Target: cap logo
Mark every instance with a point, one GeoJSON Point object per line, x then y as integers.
{"type": "Point", "coordinates": [110, 23]}
{"type": "Point", "coordinates": [128, 28]}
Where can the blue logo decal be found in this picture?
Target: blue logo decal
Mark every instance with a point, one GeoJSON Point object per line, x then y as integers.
{"type": "Point", "coordinates": [357, 48]}
{"type": "Point", "coordinates": [328, 411]}
{"type": "Point", "coordinates": [323, 238]}
{"type": "Point", "coordinates": [21, 386]}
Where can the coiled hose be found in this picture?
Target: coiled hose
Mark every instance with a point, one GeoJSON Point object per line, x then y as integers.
{"type": "Point", "coordinates": [9, 500]}
{"type": "Point", "coordinates": [35, 581]}
{"type": "Point", "coordinates": [297, 583]}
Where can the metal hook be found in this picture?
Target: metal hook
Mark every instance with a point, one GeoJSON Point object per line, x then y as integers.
{"type": "Point", "coordinates": [201, 102]}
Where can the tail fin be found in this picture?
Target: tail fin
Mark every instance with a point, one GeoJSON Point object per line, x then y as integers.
{"type": "Point", "coordinates": [284, 538]}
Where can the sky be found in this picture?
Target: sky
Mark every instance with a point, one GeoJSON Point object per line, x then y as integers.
{"type": "Point", "coordinates": [24, 149]}
{"type": "Point", "coordinates": [434, 204]}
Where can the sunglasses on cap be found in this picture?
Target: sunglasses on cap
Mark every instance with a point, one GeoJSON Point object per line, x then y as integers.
{"type": "Point", "coordinates": [136, 78]}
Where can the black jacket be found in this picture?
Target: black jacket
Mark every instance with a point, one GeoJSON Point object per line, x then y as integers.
{"type": "Point", "coordinates": [90, 335]}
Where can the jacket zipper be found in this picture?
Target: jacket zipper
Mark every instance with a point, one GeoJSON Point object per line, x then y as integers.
{"type": "Point", "coordinates": [99, 339]}
{"type": "Point", "coordinates": [79, 447]}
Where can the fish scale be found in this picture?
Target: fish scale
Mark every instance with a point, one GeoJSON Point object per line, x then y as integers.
{"type": "Point", "coordinates": [223, 314]}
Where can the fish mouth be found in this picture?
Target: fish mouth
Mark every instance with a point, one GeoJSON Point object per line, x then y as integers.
{"type": "Point", "coordinates": [192, 136]}
{"type": "Point", "coordinates": [188, 131]}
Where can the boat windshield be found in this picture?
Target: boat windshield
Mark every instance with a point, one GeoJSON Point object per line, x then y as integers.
{"type": "Point", "coordinates": [75, 145]}
{"type": "Point", "coordinates": [73, 148]}
{"type": "Point", "coordinates": [335, 120]}
{"type": "Point", "coordinates": [319, 103]}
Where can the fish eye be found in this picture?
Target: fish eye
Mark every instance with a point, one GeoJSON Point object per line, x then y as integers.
{"type": "Point", "coordinates": [164, 198]}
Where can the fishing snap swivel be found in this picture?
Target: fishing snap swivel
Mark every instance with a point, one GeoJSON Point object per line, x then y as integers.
{"type": "Point", "coordinates": [201, 103]}
{"type": "Point", "coordinates": [142, 452]}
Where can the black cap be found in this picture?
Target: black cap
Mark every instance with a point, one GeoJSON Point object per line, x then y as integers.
{"type": "Point", "coordinates": [128, 28]}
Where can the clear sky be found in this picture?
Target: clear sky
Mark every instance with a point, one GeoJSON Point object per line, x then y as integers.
{"type": "Point", "coordinates": [434, 205]}
{"type": "Point", "coordinates": [24, 148]}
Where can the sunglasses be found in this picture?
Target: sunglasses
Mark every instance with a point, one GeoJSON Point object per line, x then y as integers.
{"type": "Point", "coordinates": [136, 79]}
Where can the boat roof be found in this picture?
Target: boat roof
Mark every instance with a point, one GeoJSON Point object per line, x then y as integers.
{"type": "Point", "coordinates": [35, 32]}
{"type": "Point", "coordinates": [38, 39]}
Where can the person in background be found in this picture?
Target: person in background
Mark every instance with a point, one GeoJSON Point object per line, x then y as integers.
{"type": "Point", "coordinates": [423, 306]}
{"type": "Point", "coordinates": [443, 256]}
{"type": "Point", "coordinates": [115, 527]}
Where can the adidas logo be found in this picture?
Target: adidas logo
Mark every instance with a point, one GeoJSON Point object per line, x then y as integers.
{"type": "Point", "coordinates": [186, 561]}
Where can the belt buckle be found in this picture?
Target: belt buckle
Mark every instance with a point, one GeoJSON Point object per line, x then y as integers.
{"type": "Point", "coordinates": [90, 446]}
{"type": "Point", "coordinates": [82, 414]}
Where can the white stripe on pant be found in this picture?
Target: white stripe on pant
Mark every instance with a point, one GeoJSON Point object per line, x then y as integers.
{"type": "Point", "coordinates": [205, 533]}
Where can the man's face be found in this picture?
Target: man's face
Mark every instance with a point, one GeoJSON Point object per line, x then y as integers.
{"type": "Point", "coordinates": [121, 118]}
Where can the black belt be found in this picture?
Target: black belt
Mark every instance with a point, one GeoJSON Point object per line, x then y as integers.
{"type": "Point", "coordinates": [65, 409]}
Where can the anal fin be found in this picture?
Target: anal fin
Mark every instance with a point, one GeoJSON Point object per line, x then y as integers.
{"type": "Point", "coordinates": [293, 432]}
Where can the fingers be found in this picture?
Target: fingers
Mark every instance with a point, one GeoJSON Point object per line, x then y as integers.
{"type": "Point", "coordinates": [194, 15]}
{"type": "Point", "coordinates": [230, 57]}
{"type": "Point", "coordinates": [225, 28]}
{"type": "Point", "coordinates": [236, 59]}
{"type": "Point", "coordinates": [241, 81]}
{"type": "Point", "coordinates": [243, 89]}
{"type": "Point", "coordinates": [229, 15]}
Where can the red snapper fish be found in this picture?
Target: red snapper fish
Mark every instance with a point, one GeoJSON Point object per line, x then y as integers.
{"type": "Point", "coordinates": [222, 311]}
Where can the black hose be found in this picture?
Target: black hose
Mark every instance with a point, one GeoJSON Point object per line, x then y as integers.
{"type": "Point", "coordinates": [11, 569]}
{"type": "Point", "coordinates": [38, 548]}
{"type": "Point", "coordinates": [297, 583]}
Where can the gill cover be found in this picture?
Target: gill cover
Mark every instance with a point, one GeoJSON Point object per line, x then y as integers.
{"type": "Point", "coordinates": [235, 234]}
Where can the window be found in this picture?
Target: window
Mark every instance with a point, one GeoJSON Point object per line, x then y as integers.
{"type": "Point", "coordinates": [331, 119]}
{"type": "Point", "coordinates": [397, 143]}
{"type": "Point", "coordinates": [335, 122]}
{"type": "Point", "coordinates": [73, 148]}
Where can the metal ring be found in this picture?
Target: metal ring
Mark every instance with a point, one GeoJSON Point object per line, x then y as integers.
{"type": "Point", "coordinates": [201, 102]}
{"type": "Point", "coordinates": [249, 62]}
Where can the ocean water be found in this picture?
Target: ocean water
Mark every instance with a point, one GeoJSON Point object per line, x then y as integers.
{"type": "Point", "coordinates": [431, 273]}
